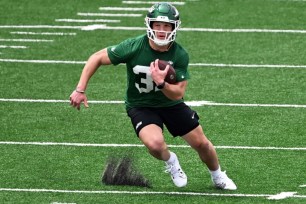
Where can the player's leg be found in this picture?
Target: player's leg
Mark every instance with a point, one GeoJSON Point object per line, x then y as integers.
{"type": "Point", "coordinates": [198, 141]}
{"type": "Point", "coordinates": [148, 126]}
{"type": "Point", "coordinates": [182, 121]}
{"type": "Point", "coordinates": [152, 137]}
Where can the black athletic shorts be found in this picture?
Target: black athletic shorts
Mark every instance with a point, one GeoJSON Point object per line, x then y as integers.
{"type": "Point", "coordinates": [178, 119]}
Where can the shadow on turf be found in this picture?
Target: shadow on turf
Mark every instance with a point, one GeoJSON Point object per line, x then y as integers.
{"type": "Point", "coordinates": [121, 171]}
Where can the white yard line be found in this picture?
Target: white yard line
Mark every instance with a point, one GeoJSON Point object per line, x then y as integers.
{"type": "Point", "coordinates": [88, 20]}
{"type": "Point", "coordinates": [13, 46]}
{"type": "Point", "coordinates": [41, 33]}
{"type": "Point", "coordinates": [282, 196]}
{"type": "Point", "coordinates": [145, 193]}
{"type": "Point", "coordinates": [40, 26]}
{"type": "Point", "coordinates": [25, 40]}
{"type": "Point", "coordinates": [110, 14]}
{"type": "Point", "coordinates": [62, 203]}
{"type": "Point", "coordinates": [143, 28]}
{"type": "Point", "coordinates": [140, 145]}
{"type": "Point", "coordinates": [122, 9]}
{"type": "Point", "coordinates": [191, 64]}
{"type": "Point", "coordinates": [247, 65]}
{"type": "Point", "coordinates": [207, 29]}
{"type": "Point", "coordinates": [152, 2]}
{"type": "Point", "coordinates": [43, 61]}
{"type": "Point", "coordinates": [242, 30]}
{"type": "Point", "coordinates": [190, 103]}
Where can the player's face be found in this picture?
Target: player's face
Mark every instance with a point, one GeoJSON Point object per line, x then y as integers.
{"type": "Point", "coordinates": [162, 29]}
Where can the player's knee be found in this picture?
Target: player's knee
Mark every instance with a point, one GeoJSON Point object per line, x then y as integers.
{"type": "Point", "coordinates": [204, 145]}
{"type": "Point", "coordinates": [156, 145]}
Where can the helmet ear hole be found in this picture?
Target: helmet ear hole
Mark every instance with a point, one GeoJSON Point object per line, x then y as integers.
{"type": "Point", "coordinates": [173, 26]}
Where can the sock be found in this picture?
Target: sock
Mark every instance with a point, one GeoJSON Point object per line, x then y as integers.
{"type": "Point", "coordinates": [215, 173]}
{"type": "Point", "coordinates": [172, 158]}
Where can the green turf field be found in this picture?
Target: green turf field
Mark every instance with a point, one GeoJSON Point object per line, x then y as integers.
{"type": "Point", "coordinates": [248, 82]}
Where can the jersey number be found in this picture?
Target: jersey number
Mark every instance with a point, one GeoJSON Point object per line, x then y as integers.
{"type": "Point", "coordinates": [143, 80]}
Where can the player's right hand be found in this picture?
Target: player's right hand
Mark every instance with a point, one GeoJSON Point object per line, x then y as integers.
{"type": "Point", "coordinates": [77, 98]}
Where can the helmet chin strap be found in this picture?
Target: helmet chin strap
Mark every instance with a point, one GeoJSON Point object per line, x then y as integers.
{"type": "Point", "coordinates": [160, 48]}
{"type": "Point", "coordinates": [161, 42]}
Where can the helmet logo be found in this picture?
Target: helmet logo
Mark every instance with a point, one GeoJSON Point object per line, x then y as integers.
{"type": "Point", "coordinates": [162, 18]}
{"type": "Point", "coordinates": [151, 9]}
{"type": "Point", "coordinates": [176, 12]}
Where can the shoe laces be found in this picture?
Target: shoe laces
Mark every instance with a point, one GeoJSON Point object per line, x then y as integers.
{"type": "Point", "coordinates": [221, 180]}
{"type": "Point", "coordinates": [175, 172]}
{"type": "Point", "coordinates": [169, 168]}
{"type": "Point", "coordinates": [221, 177]}
{"type": "Point", "coordinates": [224, 182]}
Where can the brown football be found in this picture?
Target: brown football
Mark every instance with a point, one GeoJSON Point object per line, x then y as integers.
{"type": "Point", "coordinates": [171, 75]}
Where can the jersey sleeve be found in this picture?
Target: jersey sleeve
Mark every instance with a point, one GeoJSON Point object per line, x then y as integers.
{"type": "Point", "coordinates": [121, 53]}
{"type": "Point", "coordinates": [181, 67]}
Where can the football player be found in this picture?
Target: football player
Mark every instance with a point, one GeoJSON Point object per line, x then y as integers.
{"type": "Point", "coordinates": [151, 103]}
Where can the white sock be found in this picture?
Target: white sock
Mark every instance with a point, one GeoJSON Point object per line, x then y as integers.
{"type": "Point", "coordinates": [172, 158]}
{"type": "Point", "coordinates": [215, 173]}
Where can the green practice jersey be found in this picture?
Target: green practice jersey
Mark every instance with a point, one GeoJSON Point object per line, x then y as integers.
{"type": "Point", "coordinates": [137, 54]}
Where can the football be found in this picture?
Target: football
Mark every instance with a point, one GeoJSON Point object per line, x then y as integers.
{"type": "Point", "coordinates": [171, 75]}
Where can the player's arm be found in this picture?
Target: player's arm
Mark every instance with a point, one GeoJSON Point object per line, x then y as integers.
{"type": "Point", "coordinates": [175, 91]}
{"type": "Point", "coordinates": [94, 62]}
{"type": "Point", "coordinates": [172, 91]}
